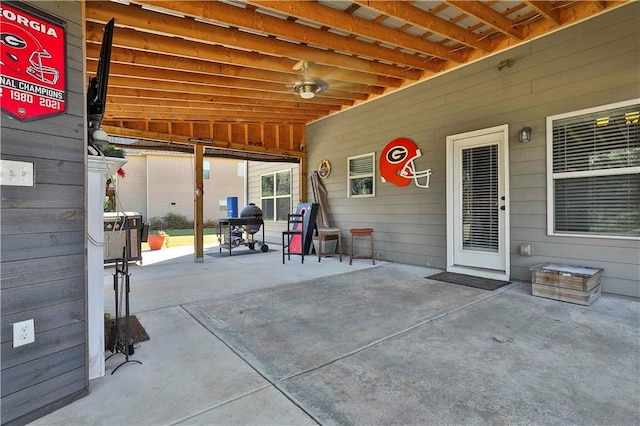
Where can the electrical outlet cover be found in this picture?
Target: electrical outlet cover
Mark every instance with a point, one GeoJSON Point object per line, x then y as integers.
{"type": "Point", "coordinates": [23, 333]}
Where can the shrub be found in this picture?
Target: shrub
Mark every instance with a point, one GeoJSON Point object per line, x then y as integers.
{"type": "Point", "coordinates": [156, 223]}
{"type": "Point", "coordinates": [177, 221]}
{"type": "Point", "coordinates": [210, 223]}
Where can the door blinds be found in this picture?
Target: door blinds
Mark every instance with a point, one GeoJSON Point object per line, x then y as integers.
{"type": "Point", "coordinates": [480, 198]}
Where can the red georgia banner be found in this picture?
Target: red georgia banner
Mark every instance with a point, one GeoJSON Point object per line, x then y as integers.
{"type": "Point", "coordinates": [32, 63]}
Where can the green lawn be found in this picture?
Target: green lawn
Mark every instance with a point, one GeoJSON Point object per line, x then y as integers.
{"type": "Point", "coordinates": [185, 240]}
{"type": "Point", "coordinates": [183, 232]}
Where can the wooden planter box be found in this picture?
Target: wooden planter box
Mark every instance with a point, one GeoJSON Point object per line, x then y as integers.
{"type": "Point", "coordinates": [573, 284]}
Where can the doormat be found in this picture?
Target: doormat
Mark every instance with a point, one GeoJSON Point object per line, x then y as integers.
{"type": "Point", "coordinates": [225, 253]}
{"type": "Point", "coordinates": [138, 333]}
{"type": "Point", "coordinates": [468, 280]}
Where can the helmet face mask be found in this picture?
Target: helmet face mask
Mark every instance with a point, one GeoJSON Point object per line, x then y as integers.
{"type": "Point", "coordinates": [397, 164]}
{"type": "Point", "coordinates": [40, 71]}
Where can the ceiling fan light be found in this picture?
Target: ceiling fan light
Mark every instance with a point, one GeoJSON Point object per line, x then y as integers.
{"type": "Point", "coordinates": [307, 91]}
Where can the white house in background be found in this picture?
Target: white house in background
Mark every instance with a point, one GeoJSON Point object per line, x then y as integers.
{"type": "Point", "coordinates": [160, 183]}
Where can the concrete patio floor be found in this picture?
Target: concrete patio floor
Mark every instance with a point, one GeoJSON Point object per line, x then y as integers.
{"type": "Point", "coordinates": [247, 340]}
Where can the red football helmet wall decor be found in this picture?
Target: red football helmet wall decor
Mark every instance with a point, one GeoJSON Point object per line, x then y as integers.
{"type": "Point", "coordinates": [397, 167]}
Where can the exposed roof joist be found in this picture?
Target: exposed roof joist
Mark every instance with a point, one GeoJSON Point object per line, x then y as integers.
{"type": "Point", "coordinates": [225, 71]}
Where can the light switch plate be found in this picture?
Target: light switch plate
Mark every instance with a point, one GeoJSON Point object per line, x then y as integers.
{"type": "Point", "coordinates": [16, 173]}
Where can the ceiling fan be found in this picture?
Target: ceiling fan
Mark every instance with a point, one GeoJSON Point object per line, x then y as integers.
{"type": "Point", "coordinates": [309, 86]}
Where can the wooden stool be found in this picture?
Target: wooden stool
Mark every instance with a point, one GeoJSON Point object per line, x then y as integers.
{"type": "Point", "coordinates": [362, 232]}
{"type": "Point", "coordinates": [323, 234]}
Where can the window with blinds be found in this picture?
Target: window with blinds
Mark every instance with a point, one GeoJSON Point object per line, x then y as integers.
{"type": "Point", "coordinates": [594, 171]}
{"type": "Point", "coordinates": [361, 175]}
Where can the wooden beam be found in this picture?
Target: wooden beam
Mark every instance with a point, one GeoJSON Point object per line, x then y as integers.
{"type": "Point", "coordinates": [168, 137]}
{"type": "Point", "coordinates": [334, 18]}
{"type": "Point", "coordinates": [249, 75]}
{"type": "Point", "coordinates": [428, 22]}
{"type": "Point", "coordinates": [127, 38]}
{"type": "Point", "coordinates": [601, 4]}
{"type": "Point", "coordinates": [246, 18]}
{"type": "Point", "coordinates": [205, 105]}
{"type": "Point", "coordinates": [169, 77]}
{"type": "Point", "coordinates": [142, 94]}
{"type": "Point", "coordinates": [184, 76]}
{"type": "Point", "coordinates": [303, 169]}
{"type": "Point", "coordinates": [172, 26]}
{"type": "Point", "coordinates": [547, 11]}
{"type": "Point", "coordinates": [487, 15]}
{"type": "Point", "coordinates": [181, 114]}
{"type": "Point", "coordinates": [175, 87]}
{"type": "Point", "coordinates": [198, 205]}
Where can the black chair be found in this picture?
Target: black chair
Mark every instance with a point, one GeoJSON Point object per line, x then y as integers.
{"type": "Point", "coordinates": [295, 226]}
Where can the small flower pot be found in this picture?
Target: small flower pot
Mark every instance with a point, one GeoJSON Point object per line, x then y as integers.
{"type": "Point", "coordinates": [155, 241]}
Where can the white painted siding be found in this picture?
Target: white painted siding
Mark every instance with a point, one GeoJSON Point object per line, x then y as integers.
{"type": "Point", "coordinates": [132, 190]}
{"type": "Point", "coordinates": [586, 65]}
{"type": "Point", "coordinates": [157, 184]}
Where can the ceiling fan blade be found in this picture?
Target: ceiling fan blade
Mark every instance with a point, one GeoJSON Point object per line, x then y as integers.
{"type": "Point", "coordinates": [300, 65]}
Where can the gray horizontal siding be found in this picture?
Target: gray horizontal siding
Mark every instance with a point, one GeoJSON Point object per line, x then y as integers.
{"type": "Point", "coordinates": [43, 248]}
{"type": "Point", "coordinates": [17, 408]}
{"type": "Point", "coordinates": [588, 64]}
{"type": "Point", "coordinates": [36, 271]}
{"type": "Point", "coordinates": [273, 230]}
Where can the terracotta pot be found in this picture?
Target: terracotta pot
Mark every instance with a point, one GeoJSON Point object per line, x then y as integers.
{"type": "Point", "coordinates": [155, 241]}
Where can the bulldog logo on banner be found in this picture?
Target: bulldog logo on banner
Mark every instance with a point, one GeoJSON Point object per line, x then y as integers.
{"type": "Point", "coordinates": [397, 167]}
{"type": "Point", "coordinates": [32, 63]}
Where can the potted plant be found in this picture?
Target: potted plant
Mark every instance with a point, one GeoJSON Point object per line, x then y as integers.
{"type": "Point", "coordinates": [156, 239]}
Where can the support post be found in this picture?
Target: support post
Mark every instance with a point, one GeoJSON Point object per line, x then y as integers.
{"type": "Point", "coordinates": [198, 220]}
{"type": "Point", "coordinates": [303, 170]}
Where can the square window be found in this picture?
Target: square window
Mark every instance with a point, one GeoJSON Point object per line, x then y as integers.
{"type": "Point", "coordinates": [361, 176]}
{"type": "Point", "coordinates": [593, 172]}
{"type": "Point", "coordinates": [276, 195]}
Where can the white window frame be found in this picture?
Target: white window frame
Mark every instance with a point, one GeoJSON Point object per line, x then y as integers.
{"type": "Point", "coordinates": [206, 169]}
{"type": "Point", "coordinates": [275, 197]}
{"type": "Point", "coordinates": [552, 177]}
{"type": "Point", "coordinates": [371, 176]}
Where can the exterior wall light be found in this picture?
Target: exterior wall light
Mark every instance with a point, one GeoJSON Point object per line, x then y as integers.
{"type": "Point", "coordinates": [525, 134]}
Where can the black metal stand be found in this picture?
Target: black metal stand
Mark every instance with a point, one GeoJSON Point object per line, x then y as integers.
{"type": "Point", "coordinates": [232, 223]}
{"type": "Point", "coordinates": [118, 343]}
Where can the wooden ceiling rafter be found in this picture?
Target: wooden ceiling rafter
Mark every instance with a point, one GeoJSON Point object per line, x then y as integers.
{"type": "Point", "coordinates": [143, 94]}
{"type": "Point", "coordinates": [133, 40]}
{"type": "Point", "coordinates": [190, 29]}
{"type": "Point", "coordinates": [178, 63]}
{"type": "Point", "coordinates": [428, 22]}
{"type": "Point", "coordinates": [288, 28]}
{"type": "Point", "coordinates": [225, 71]}
{"type": "Point", "coordinates": [329, 16]}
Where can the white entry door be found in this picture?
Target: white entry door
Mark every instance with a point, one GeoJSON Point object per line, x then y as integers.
{"type": "Point", "coordinates": [478, 204]}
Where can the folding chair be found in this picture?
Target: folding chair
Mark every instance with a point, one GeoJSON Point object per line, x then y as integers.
{"type": "Point", "coordinates": [293, 237]}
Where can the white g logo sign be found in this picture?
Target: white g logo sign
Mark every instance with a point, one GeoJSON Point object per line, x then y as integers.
{"type": "Point", "coordinates": [397, 154]}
